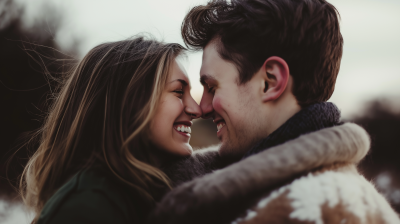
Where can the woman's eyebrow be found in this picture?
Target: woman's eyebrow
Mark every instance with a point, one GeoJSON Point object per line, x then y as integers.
{"type": "Point", "coordinates": [184, 82]}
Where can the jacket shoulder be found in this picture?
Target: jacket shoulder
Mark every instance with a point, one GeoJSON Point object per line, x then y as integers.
{"type": "Point", "coordinates": [88, 197]}
{"type": "Point", "coordinates": [237, 186]}
{"type": "Point", "coordinates": [86, 207]}
{"type": "Point", "coordinates": [200, 163]}
{"type": "Point", "coordinates": [324, 197]}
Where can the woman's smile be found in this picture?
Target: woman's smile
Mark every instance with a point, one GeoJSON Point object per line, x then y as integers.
{"type": "Point", "coordinates": [183, 128]}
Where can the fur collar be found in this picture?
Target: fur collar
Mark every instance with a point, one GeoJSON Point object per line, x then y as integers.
{"type": "Point", "coordinates": [231, 190]}
{"type": "Point", "coordinates": [312, 118]}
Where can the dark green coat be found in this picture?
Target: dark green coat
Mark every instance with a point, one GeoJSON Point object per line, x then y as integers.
{"type": "Point", "coordinates": [95, 197]}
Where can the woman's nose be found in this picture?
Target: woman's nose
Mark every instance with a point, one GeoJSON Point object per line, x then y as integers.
{"type": "Point", "coordinates": [193, 109]}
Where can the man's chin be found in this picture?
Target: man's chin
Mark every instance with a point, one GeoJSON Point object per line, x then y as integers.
{"type": "Point", "coordinates": [229, 150]}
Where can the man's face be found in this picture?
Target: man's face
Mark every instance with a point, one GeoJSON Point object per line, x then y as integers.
{"type": "Point", "coordinates": [234, 107]}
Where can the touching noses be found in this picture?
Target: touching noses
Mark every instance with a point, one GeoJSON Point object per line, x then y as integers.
{"type": "Point", "coordinates": [192, 109]}
{"type": "Point", "coordinates": [206, 105]}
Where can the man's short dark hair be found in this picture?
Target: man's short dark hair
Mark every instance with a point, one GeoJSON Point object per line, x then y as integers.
{"type": "Point", "coordinates": [305, 33]}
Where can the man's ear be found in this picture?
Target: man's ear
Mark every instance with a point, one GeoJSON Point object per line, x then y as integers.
{"type": "Point", "coordinates": [276, 75]}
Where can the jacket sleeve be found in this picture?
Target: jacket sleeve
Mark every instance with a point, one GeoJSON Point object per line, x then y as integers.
{"type": "Point", "coordinates": [339, 195]}
{"type": "Point", "coordinates": [201, 162]}
{"type": "Point", "coordinates": [225, 193]}
{"type": "Point", "coordinates": [86, 207]}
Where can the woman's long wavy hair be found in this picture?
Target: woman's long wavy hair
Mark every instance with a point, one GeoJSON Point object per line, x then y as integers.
{"type": "Point", "coordinates": [100, 116]}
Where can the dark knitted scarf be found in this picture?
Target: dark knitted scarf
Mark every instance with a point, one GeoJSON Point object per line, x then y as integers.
{"type": "Point", "coordinates": [312, 118]}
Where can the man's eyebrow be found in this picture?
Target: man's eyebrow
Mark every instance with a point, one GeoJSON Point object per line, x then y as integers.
{"type": "Point", "coordinates": [205, 77]}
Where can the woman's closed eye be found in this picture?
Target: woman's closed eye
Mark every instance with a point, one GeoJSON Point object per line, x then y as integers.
{"type": "Point", "coordinates": [179, 92]}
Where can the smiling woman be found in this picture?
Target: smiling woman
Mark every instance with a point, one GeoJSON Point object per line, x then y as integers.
{"type": "Point", "coordinates": [170, 128]}
{"type": "Point", "coordinates": [123, 112]}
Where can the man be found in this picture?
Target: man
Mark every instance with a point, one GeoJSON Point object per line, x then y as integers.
{"type": "Point", "coordinates": [268, 68]}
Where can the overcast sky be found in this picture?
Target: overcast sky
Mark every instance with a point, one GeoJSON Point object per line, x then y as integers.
{"type": "Point", "coordinates": [371, 29]}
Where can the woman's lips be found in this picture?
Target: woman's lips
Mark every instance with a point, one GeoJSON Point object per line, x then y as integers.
{"type": "Point", "coordinates": [183, 133]}
{"type": "Point", "coordinates": [183, 128]}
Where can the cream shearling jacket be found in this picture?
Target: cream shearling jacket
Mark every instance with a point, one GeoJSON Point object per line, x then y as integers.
{"type": "Point", "coordinates": [309, 180]}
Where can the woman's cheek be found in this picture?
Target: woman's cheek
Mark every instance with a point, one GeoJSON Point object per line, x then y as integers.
{"type": "Point", "coordinates": [173, 109]}
{"type": "Point", "coordinates": [178, 106]}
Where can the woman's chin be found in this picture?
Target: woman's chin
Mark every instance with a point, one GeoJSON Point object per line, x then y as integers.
{"type": "Point", "coordinates": [183, 150]}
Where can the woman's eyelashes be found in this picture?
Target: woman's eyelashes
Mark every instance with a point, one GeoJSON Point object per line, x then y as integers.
{"type": "Point", "coordinates": [179, 92]}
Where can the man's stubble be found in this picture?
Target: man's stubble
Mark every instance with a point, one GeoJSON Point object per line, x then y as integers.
{"type": "Point", "coordinates": [245, 133]}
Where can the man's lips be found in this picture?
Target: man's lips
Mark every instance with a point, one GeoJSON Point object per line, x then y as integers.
{"type": "Point", "coordinates": [220, 123]}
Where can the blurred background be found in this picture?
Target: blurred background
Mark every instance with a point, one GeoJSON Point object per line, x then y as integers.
{"type": "Point", "coordinates": [34, 33]}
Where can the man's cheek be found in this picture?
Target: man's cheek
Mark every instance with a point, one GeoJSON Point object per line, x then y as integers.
{"type": "Point", "coordinates": [217, 104]}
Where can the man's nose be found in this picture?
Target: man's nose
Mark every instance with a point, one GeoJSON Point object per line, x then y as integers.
{"type": "Point", "coordinates": [206, 105]}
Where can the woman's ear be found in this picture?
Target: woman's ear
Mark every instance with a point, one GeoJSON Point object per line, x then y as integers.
{"type": "Point", "coordinates": [276, 75]}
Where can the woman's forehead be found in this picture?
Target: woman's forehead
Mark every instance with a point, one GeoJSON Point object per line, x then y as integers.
{"type": "Point", "coordinates": [178, 71]}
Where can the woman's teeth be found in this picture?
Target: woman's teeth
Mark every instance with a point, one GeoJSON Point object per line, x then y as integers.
{"type": "Point", "coordinates": [220, 125]}
{"type": "Point", "coordinates": [183, 128]}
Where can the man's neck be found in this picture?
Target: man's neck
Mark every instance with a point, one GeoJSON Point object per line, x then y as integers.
{"type": "Point", "coordinates": [309, 119]}
{"type": "Point", "coordinates": [281, 112]}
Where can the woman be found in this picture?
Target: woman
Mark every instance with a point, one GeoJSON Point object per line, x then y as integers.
{"type": "Point", "coordinates": [121, 114]}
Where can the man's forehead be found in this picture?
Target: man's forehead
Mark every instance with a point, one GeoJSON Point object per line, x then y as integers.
{"type": "Point", "coordinates": [210, 51]}
{"type": "Point", "coordinates": [217, 71]}
{"type": "Point", "coordinates": [210, 66]}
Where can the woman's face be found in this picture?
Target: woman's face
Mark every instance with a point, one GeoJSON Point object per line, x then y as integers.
{"type": "Point", "coordinates": [170, 127]}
